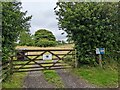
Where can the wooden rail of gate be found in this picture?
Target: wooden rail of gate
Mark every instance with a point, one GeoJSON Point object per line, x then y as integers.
{"type": "Point", "coordinates": [31, 60]}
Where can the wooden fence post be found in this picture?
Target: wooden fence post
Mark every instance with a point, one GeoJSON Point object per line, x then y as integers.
{"type": "Point", "coordinates": [11, 65]}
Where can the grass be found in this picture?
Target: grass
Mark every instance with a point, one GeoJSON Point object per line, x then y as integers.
{"type": "Point", "coordinates": [98, 76]}
{"type": "Point", "coordinates": [52, 77]}
{"type": "Point", "coordinates": [14, 81]}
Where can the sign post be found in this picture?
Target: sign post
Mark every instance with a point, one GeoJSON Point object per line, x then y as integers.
{"type": "Point", "coordinates": [100, 60]}
{"type": "Point", "coordinates": [100, 51]}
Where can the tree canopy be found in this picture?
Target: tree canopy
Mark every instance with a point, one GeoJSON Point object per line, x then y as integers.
{"type": "Point", "coordinates": [14, 21]}
{"type": "Point", "coordinates": [25, 38]}
{"type": "Point", "coordinates": [90, 25]}
{"type": "Point", "coordinates": [44, 38]}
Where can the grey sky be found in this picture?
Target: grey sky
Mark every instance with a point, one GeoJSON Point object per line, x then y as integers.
{"type": "Point", "coordinates": [43, 16]}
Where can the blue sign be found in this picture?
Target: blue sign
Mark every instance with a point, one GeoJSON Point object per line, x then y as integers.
{"type": "Point", "coordinates": [100, 50]}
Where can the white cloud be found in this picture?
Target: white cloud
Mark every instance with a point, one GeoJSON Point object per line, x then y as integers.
{"type": "Point", "coordinates": [43, 16]}
{"type": "Point", "coordinates": [39, 0]}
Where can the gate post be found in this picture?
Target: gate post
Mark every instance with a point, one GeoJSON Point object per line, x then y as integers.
{"type": "Point", "coordinates": [76, 61]}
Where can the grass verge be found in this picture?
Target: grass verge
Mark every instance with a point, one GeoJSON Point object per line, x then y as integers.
{"type": "Point", "coordinates": [14, 81]}
{"type": "Point", "coordinates": [52, 77]}
{"type": "Point", "coordinates": [105, 78]}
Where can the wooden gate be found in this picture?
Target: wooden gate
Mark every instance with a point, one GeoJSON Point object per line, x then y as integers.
{"type": "Point", "coordinates": [41, 59]}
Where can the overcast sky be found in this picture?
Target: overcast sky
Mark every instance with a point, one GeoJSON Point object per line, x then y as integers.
{"type": "Point", "coordinates": [43, 16]}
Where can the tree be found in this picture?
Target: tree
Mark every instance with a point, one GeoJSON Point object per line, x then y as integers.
{"type": "Point", "coordinates": [26, 39]}
{"type": "Point", "coordinates": [14, 21]}
{"type": "Point", "coordinates": [44, 38]}
{"type": "Point", "coordinates": [90, 25]}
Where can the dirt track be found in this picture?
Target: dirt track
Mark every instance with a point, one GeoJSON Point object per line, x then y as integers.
{"type": "Point", "coordinates": [72, 81]}
{"type": "Point", "coordinates": [36, 80]}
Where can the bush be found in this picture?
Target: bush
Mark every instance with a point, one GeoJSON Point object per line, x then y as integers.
{"type": "Point", "coordinates": [44, 38]}
{"type": "Point", "coordinates": [45, 43]}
